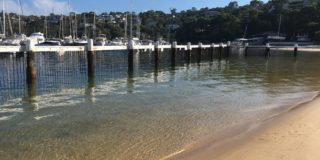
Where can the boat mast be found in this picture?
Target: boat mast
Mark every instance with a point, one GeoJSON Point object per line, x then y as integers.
{"type": "Point", "coordinates": [62, 26]}
{"type": "Point", "coordinates": [126, 28]}
{"type": "Point", "coordinates": [94, 26]}
{"type": "Point", "coordinates": [85, 24]}
{"type": "Point", "coordinates": [70, 19]}
{"type": "Point", "coordinates": [45, 27]}
{"type": "Point", "coordinates": [4, 19]}
{"type": "Point", "coordinates": [279, 27]}
{"type": "Point", "coordinates": [10, 25]}
{"type": "Point", "coordinates": [245, 31]}
{"type": "Point", "coordinates": [19, 15]}
{"type": "Point", "coordinates": [75, 27]}
{"type": "Point", "coordinates": [131, 26]}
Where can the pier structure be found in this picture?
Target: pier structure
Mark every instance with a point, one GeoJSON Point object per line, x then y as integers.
{"type": "Point", "coordinates": [293, 48]}
{"type": "Point", "coordinates": [30, 50]}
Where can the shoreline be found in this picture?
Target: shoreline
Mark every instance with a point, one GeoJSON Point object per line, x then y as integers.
{"type": "Point", "coordinates": [278, 133]}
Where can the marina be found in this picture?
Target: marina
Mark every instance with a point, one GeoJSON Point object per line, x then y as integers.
{"type": "Point", "coordinates": [139, 80]}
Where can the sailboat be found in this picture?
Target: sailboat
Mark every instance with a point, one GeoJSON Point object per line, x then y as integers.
{"type": "Point", "coordinates": [84, 39]}
{"type": "Point", "coordinates": [14, 39]}
{"type": "Point", "coordinates": [69, 40]}
{"type": "Point", "coordinates": [276, 37]}
{"type": "Point", "coordinates": [240, 42]}
{"type": "Point", "coordinates": [101, 40]}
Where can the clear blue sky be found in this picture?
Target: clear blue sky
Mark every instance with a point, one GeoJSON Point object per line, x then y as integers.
{"type": "Point", "coordinates": [143, 5]}
{"type": "Point", "coordinates": [46, 6]}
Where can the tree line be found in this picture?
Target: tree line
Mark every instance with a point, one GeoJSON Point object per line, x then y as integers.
{"type": "Point", "coordinates": [205, 24]}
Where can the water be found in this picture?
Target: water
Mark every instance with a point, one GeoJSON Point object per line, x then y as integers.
{"type": "Point", "coordinates": [149, 113]}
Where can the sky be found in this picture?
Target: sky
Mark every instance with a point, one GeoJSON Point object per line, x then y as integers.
{"type": "Point", "coordinates": [40, 7]}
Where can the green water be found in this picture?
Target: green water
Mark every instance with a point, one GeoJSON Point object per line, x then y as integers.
{"type": "Point", "coordinates": [147, 114]}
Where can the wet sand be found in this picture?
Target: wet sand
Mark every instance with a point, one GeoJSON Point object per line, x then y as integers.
{"type": "Point", "coordinates": [292, 136]}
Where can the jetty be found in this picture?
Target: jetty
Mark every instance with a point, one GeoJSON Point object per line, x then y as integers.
{"type": "Point", "coordinates": [222, 49]}
{"type": "Point", "coordinates": [30, 50]}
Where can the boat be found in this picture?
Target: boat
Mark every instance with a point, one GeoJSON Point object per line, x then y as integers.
{"type": "Point", "coordinates": [278, 37]}
{"type": "Point", "coordinates": [68, 41]}
{"type": "Point", "coordinates": [37, 37]}
{"type": "Point", "coordinates": [82, 41]}
{"type": "Point", "coordinates": [117, 42]}
{"type": "Point", "coordinates": [14, 40]}
{"type": "Point", "coordinates": [51, 42]}
{"type": "Point", "coordinates": [101, 40]}
{"type": "Point", "coordinates": [239, 42]}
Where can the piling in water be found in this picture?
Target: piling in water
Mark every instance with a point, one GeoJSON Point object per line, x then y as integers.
{"type": "Point", "coordinates": [157, 51]}
{"type": "Point", "coordinates": [91, 63]}
{"type": "Point", "coordinates": [246, 50]}
{"type": "Point", "coordinates": [220, 50]}
{"type": "Point", "coordinates": [199, 53]}
{"type": "Point", "coordinates": [173, 53]}
{"type": "Point", "coordinates": [130, 56]}
{"type": "Point", "coordinates": [31, 67]}
{"type": "Point", "coordinates": [31, 72]}
{"type": "Point", "coordinates": [295, 51]}
{"type": "Point", "coordinates": [228, 49]}
{"type": "Point", "coordinates": [211, 52]}
{"type": "Point", "coordinates": [188, 53]}
{"type": "Point", "coordinates": [91, 60]}
{"type": "Point", "coordinates": [268, 51]}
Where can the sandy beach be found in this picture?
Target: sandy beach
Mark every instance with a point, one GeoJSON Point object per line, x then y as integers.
{"type": "Point", "coordinates": [292, 136]}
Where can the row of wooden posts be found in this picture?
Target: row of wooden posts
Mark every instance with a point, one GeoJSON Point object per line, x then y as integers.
{"type": "Point", "coordinates": [31, 72]}
{"type": "Point", "coordinates": [268, 50]}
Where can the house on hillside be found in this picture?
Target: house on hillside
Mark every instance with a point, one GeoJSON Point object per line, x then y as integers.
{"type": "Point", "coordinates": [298, 4]}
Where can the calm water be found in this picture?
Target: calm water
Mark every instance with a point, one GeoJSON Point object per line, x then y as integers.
{"type": "Point", "coordinates": [149, 113]}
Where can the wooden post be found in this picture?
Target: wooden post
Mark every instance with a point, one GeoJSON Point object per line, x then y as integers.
{"type": "Point", "coordinates": [295, 52]}
{"type": "Point", "coordinates": [91, 59]}
{"type": "Point", "coordinates": [199, 52]}
{"type": "Point", "coordinates": [91, 62]}
{"type": "Point", "coordinates": [228, 48]}
{"type": "Point", "coordinates": [173, 53]}
{"type": "Point", "coordinates": [220, 50]}
{"type": "Point", "coordinates": [211, 51]}
{"type": "Point", "coordinates": [31, 72]}
{"type": "Point", "coordinates": [246, 49]}
{"type": "Point", "coordinates": [156, 53]}
{"type": "Point", "coordinates": [130, 56]}
{"type": "Point", "coordinates": [268, 51]}
{"type": "Point", "coordinates": [188, 53]}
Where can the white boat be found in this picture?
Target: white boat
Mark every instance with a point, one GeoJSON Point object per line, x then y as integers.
{"type": "Point", "coordinates": [239, 42]}
{"type": "Point", "coordinates": [51, 42]}
{"type": "Point", "coordinates": [68, 41]}
{"type": "Point", "coordinates": [37, 37]}
{"type": "Point", "coordinates": [117, 42]}
{"type": "Point", "coordinates": [81, 42]}
{"type": "Point", "coordinates": [14, 40]}
{"type": "Point", "coordinates": [101, 40]}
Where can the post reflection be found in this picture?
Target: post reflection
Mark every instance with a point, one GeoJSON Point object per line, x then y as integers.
{"type": "Point", "coordinates": [156, 74]}
{"type": "Point", "coordinates": [172, 78]}
{"type": "Point", "coordinates": [91, 87]}
{"type": "Point", "coordinates": [130, 81]}
{"type": "Point", "coordinates": [32, 94]}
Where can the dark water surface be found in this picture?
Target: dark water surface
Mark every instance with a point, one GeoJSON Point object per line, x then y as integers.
{"type": "Point", "coordinates": [149, 113]}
